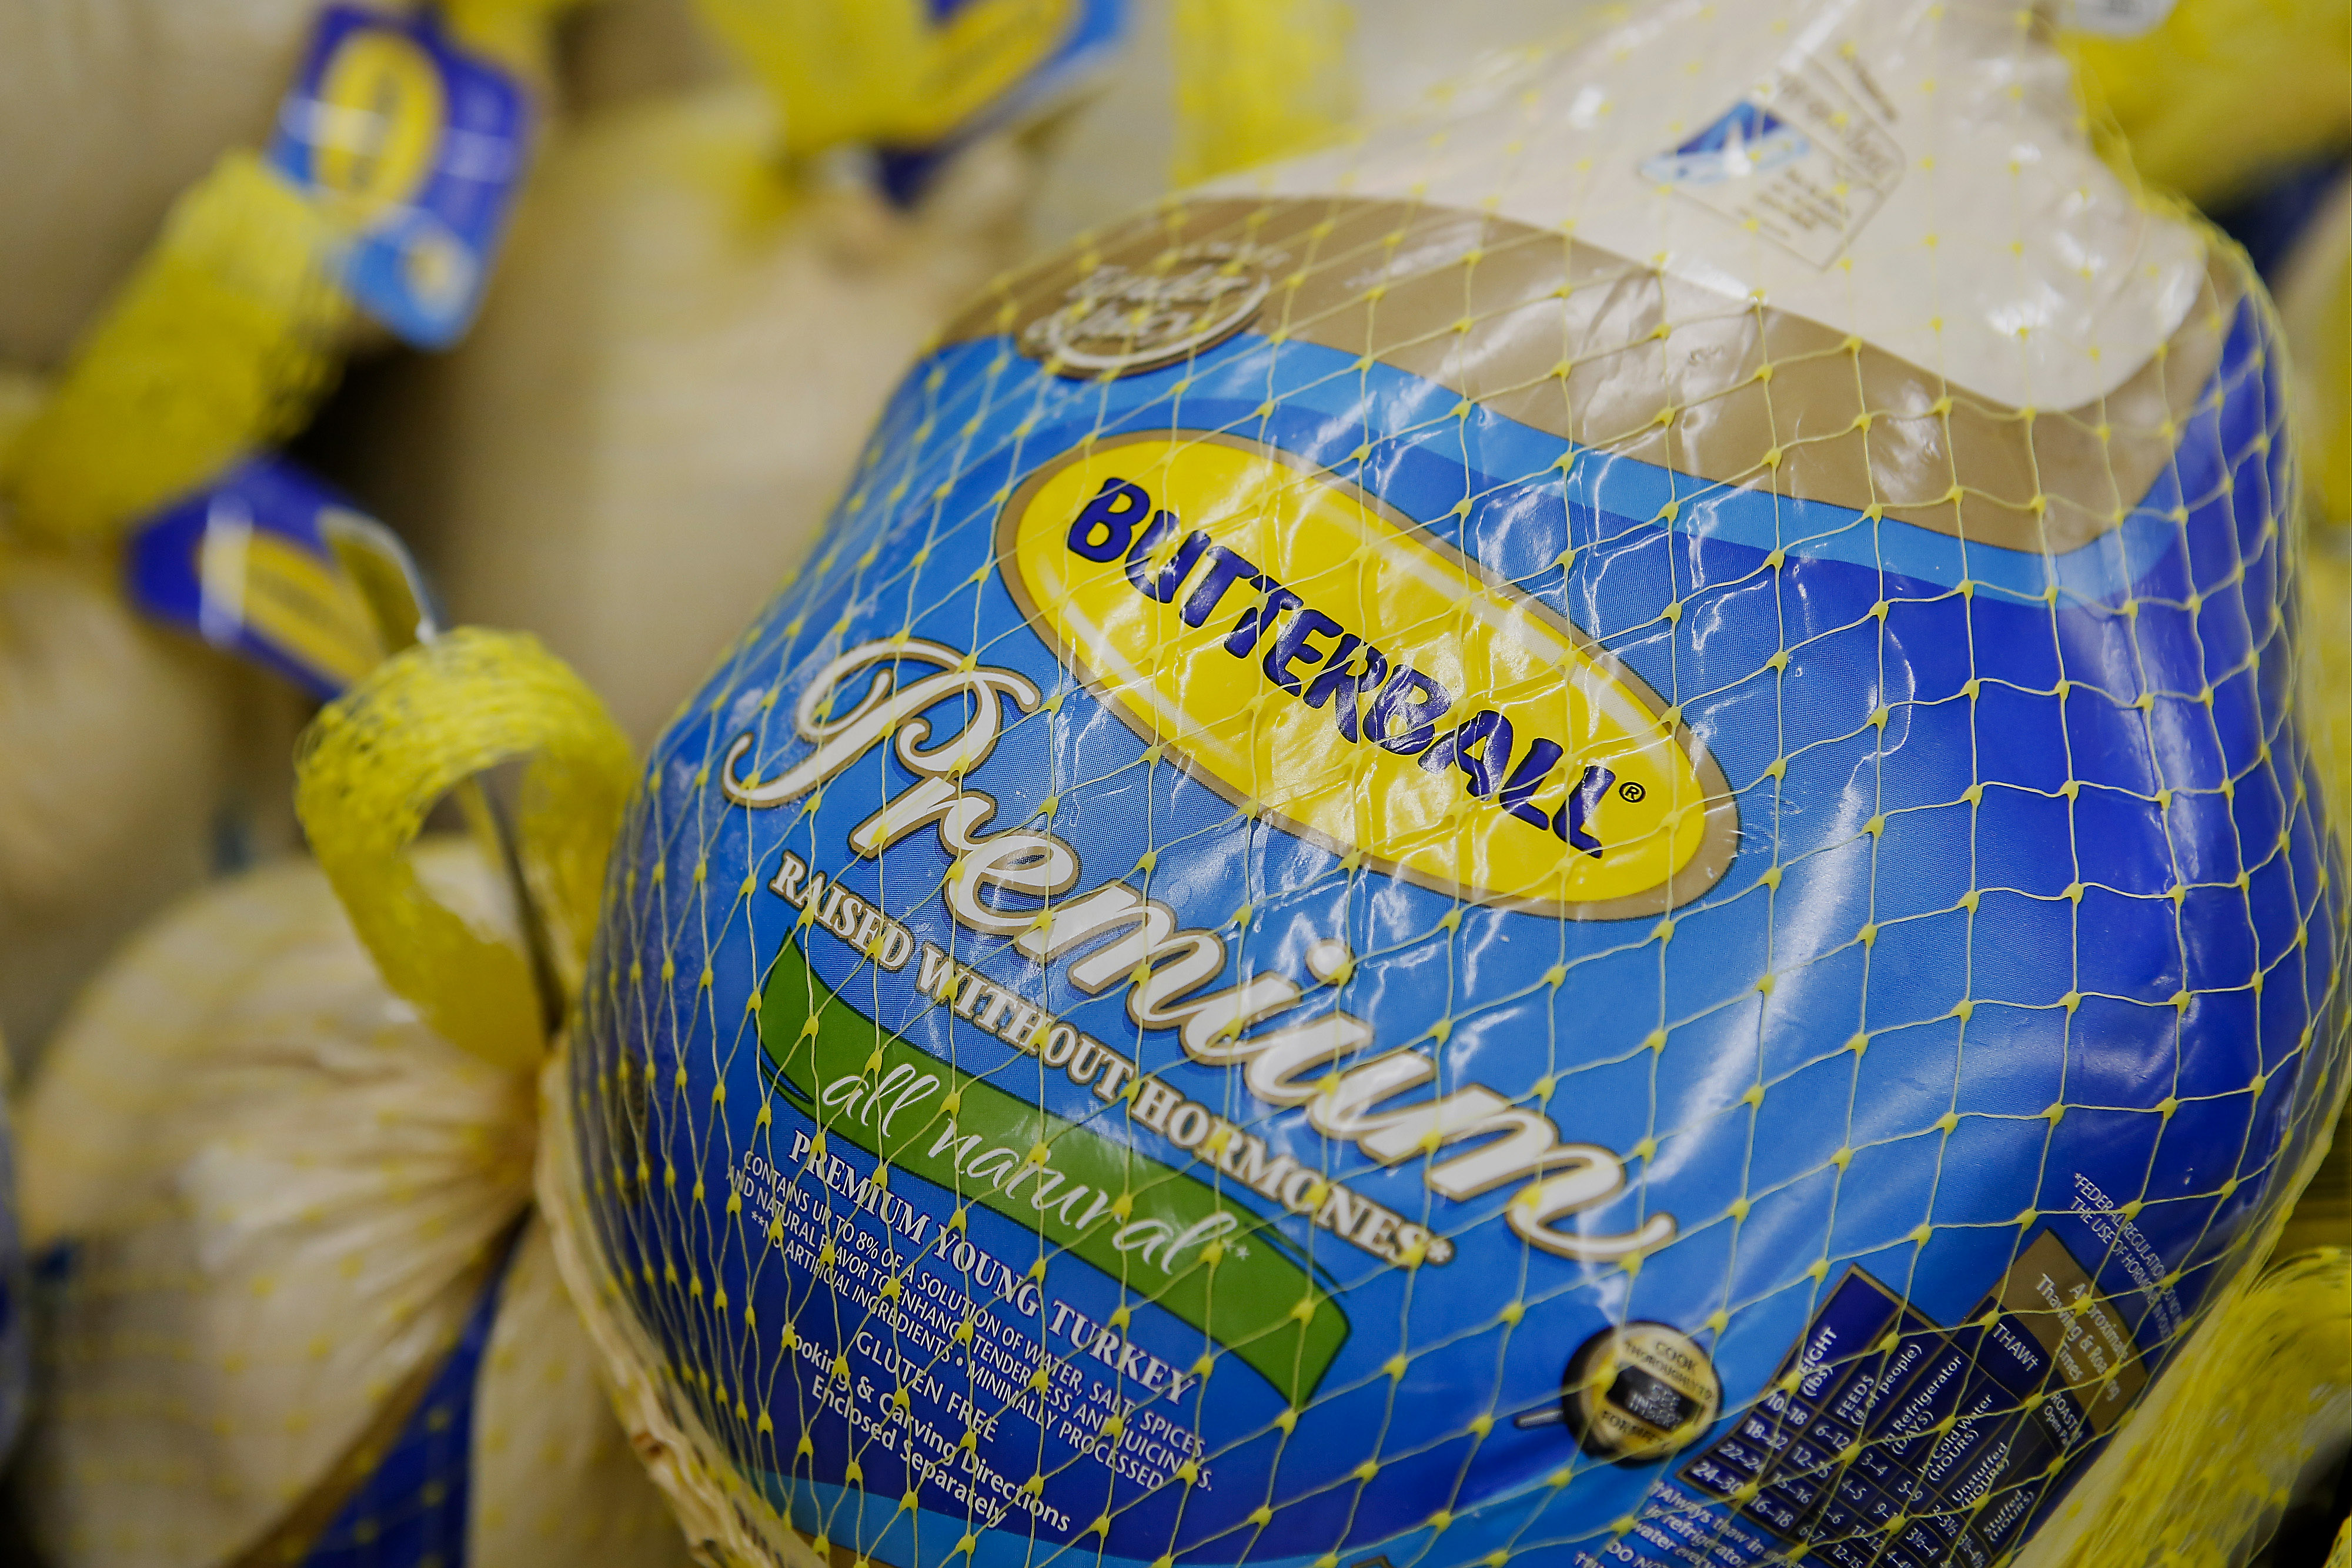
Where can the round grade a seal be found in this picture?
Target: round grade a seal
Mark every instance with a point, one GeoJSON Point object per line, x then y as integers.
{"type": "Point", "coordinates": [1639, 1392]}
{"type": "Point", "coordinates": [1117, 320]}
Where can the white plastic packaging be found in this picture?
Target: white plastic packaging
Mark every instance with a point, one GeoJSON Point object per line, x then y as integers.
{"type": "Point", "coordinates": [274, 1204]}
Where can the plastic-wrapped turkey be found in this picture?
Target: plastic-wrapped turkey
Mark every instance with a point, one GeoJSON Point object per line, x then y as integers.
{"type": "Point", "coordinates": [662, 400]}
{"type": "Point", "coordinates": [279, 1174]}
{"type": "Point", "coordinates": [190, 231]}
{"type": "Point", "coordinates": [664, 393]}
{"type": "Point", "coordinates": [1577, 834]}
{"type": "Point", "coordinates": [90, 847]}
{"type": "Point", "coordinates": [123, 740]}
{"type": "Point", "coordinates": [299, 1311]}
{"type": "Point", "coordinates": [109, 110]}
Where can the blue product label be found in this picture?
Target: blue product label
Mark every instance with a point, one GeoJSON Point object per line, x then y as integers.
{"type": "Point", "coordinates": [417, 147]}
{"type": "Point", "coordinates": [411, 1507]}
{"type": "Point", "coordinates": [271, 564]}
{"type": "Point", "coordinates": [1000, 62]}
{"type": "Point", "coordinates": [1277, 957]}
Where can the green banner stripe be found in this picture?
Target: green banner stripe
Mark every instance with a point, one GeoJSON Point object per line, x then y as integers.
{"type": "Point", "coordinates": [1177, 1242]}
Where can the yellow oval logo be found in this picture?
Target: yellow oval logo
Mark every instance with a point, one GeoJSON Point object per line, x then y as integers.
{"type": "Point", "coordinates": [1321, 661]}
{"type": "Point", "coordinates": [376, 127]}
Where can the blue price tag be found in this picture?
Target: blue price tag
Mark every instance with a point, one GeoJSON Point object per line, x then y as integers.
{"type": "Point", "coordinates": [417, 147]}
{"type": "Point", "coordinates": [269, 563]}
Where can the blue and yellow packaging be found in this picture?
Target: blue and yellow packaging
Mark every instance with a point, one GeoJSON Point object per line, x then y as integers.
{"type": "Point", "coordinates": [1579, 833]}
{"type": "Point", "coordinates": [415, 147]}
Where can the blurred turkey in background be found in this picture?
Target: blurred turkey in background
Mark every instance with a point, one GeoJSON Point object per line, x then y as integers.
{"type": "Point", "coordinates": [692, 334]}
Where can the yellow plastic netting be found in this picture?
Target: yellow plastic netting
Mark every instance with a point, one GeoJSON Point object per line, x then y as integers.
{"type": "Point", "coordinates": [111, 110]}
{"type": "Point", "coordinates": [664, 396]}
{"type": "Point", "coordinates": [2314, 293]}
{"type": "Point", "coordinates": [2209, 1463]}
{"type": "Point", "coordinates": [2221, 98]}
{"type": "Point", "coordinates": [2222, 91]}
{"type": "Point", "coordinates": [221, 337]}
{"type": "Point", "coordinates": [1801, 370]}
{"type": "Point", "coordinates": [2211, 103]}
{"type": "Point", "coordinates": [1258, 79]}
{"type": "Point", "coordinates": [1206, 86]}
{"type": "Point", "coordinates": [893, 71]}
{"type": "Point", "coordinates": [379, 758]}
{"type": "Point", "coordinates": [226, 338]}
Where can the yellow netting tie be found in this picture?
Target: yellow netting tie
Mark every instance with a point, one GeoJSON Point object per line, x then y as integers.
{"type": "Point", "coordinates": [2315, 295]}
{"type": "Point", "coordinates": [2327, 671]}
{"type": "Point", "coordinates": [377, 759]}
{"type": "Point", "coordinates": [882, 71]}
{"type": "Point", "coordinates": [515, 30]}
{"type": "Point", "coordinates": [1258, 79]}
{"type": "Point", "coordinates": [22, 394]}
{"type": "Point", "coordinates": [224, 339]}
{"type": "Point", "coordinates": [864, 86]}
{"type": "Point", "coordinates": [2223, 89]}
{"type": "Point", "coordinates": [2233, 1422]}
